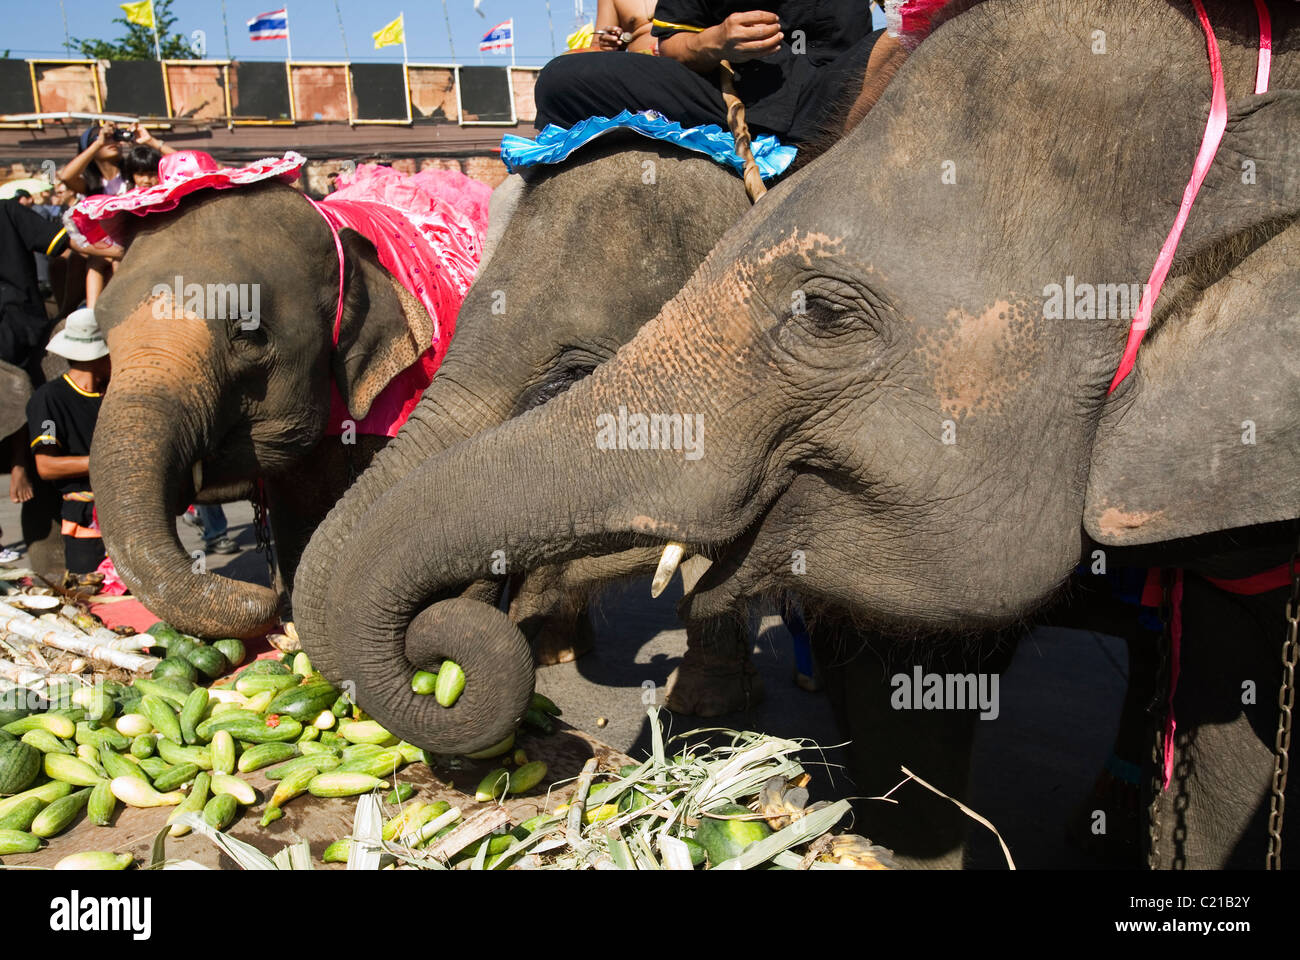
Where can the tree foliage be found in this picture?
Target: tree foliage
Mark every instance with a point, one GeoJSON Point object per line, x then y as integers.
{"type": "Point", "coordinates": [138, 42]}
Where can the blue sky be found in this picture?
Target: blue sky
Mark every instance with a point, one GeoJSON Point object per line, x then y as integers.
{"type": "Point", "coordinates": [315, 27]}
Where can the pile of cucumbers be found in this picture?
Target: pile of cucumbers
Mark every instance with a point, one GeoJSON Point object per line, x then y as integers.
{"type": "Point", "coordinates": [167, 741]}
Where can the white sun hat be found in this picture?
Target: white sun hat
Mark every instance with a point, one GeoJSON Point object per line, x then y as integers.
{"type": "Point", "coordinates": [80, 339]}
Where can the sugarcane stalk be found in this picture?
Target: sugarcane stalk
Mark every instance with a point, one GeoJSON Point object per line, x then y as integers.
{"type": "Point", "coordinates": [18, 624]}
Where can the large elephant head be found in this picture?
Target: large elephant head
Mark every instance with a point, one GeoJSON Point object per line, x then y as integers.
{"type": "Point", "coordinates": [220, 323]}
{"type": "Point", "coordinates": [870, 392]}
{"type": "Point", "coordinates": [591, 252]}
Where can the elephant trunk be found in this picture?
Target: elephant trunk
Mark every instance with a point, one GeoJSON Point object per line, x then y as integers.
{"type": "Point", "coordinates": [510, 499]}
{"type": "Point", "coordinates": [150, 431]}
{"type": "Point", "coordinates": [447, 414]}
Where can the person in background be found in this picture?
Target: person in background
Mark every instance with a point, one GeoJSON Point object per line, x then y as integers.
{"type": "Point", "coordinates": [140, 165]}
{"type": "Point", "coordinates": [794, 61]}
{"type": "Point", "coordinates": [49, 211]}
{"type": "Point", "coordinates": [23, 197]}
{"type": "Point", "coordinates": [97, 169]}
{"type": "Point", "coordinates": [61, 418]}
{"type": "Point", "coordinates": [623, 25]}
{"type": "Point", "coordinates": [210, 520]}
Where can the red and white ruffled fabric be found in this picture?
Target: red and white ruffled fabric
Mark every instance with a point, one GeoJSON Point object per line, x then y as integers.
{"type": "Point", "coordinates": [428, 230]}
{"type": "Point", "coordinates": [100, 218]}
{"type": "Point", "coordinates": [112, 585]}
{"type": "Point", "coordinates": [910, 21]}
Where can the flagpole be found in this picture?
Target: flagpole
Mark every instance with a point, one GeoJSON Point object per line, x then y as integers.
{"type": "Point", "coordinates": [450, 44]}
{"type": "Point", "coordinates": [67, 42]}
{"type": "Point", "coordinates": [551, 25]}
{"type": "Point", "coordinates": [153, 18]}
{"type": "Point", "coordinates": [288, 31]}
{"type": "Point", "coordinates": [402, 16]}
{"type": "Point", "coordinates": [512, 41]}
{"type": "Point", "coordinates": [342, 32]}
{"type": "Point", "coordinates": [225, 28]}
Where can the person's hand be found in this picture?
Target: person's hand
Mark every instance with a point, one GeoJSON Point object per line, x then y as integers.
{"type": "Point", "coordinates": [144, 136]}
{"type": "Point", "coordinates": [750, 35]}
{"type": "Point", "coordinates": [106, 131]}
{"type": "Point", "coordinates": [608, 38]}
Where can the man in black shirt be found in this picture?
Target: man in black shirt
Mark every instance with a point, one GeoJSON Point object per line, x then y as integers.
{"type": "Point", "coordinates": [61, 418]}
{"type": "Point", "coordinates": [794, 63]}
{"type": "Point", "coordinates": [23, 323]}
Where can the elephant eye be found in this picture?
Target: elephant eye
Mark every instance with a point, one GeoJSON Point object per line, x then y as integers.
{"type": "Point", "coordinates": [826, 306]}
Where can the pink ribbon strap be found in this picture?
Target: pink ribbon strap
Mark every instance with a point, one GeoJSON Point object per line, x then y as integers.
{"type": "Point", "coordinates": [338, 249]}
{"type": "Point", "coordinates": [1214, 127]}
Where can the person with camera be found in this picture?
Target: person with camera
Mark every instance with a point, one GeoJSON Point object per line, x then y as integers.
{"type": "Point", "coordinates": [97, 169]}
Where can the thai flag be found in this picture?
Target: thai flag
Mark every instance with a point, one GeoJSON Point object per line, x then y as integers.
{"type": "Point", "coordinates": [499, 37]}
{"type": "Point", "coordinates": [270, 26]}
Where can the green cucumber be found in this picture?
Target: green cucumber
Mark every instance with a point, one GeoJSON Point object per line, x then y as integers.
{"type": "Point", "coordinates": [173, 690]}
{"type": "Point", "coordinates": [317, 748]}
{"type": "Point", "coordinates": [72, 770]}
{"type": "Point", "coordinates": [424, 683]}
{"type": "Point", "coordinates": [537, 719]}
{"type": "Point", "coordinates": [102, 803]}
{"type": "Point", "coordinates": [545, 704]}
{"type": "Point", "coordinates": [223, 752]}
{"type": "Point", "coordinates": [335, 784]}
{"type": "Point", "coordinates": [451, 683]}
{"type": "Point", "coordinates": [342, 707]}
{"type": "Point", "coordinates": [175, 754]}
{"type": "Point", "coordinates": [196, 704]}
{"type": "Point", "coordinates": [162, 716]}
{"type": "Point", "coordinates": [221, 811]}
{"type": "Point", "coordinates": [320, 763]}
{"type": "Point", "coordinates": [155, 767]}
{"type": "Point", "coordinates": [338, 851]}
{"type": "Point", "coordinates": [304, 702]}
{"type": "Point", "coordinates": [143, 747]}
{"type": "Point", "coordinates": [194, 802]}
{"type": "Point", "coordinates": [116, 765]}
{"type": "Point", "coordinates": [21, 816]}
{"type": "Point", "coordinates": [177, 775]}
{"type": "Point", "coordinates": [18, 841]}
{"type": "Point", "coordinates": [386, 763]}
{"type": "Point", "coordinates": [164, 633]}
{"type": "Point", "coordinates": [252, 728]}
{"type": "Point", "coordinates": [46, 742]}
{"type": "Point", "coordinates": [253, 684]}
{"type": "Point", "coordinates": [401, 793]}
{"type": "Point", "coordinates": [58, 816]}
{"type": "Point", "coordinates": [265, 754]}
{"type": "Point", "coordinates": [46, 793]}
{"type": "Point", "coordinates": [55, 723]}
{"type": "Point", "coordinates": [274, 667]}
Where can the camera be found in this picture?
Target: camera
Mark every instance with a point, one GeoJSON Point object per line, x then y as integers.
{"type": "Point", "coordinates": [123, 136]}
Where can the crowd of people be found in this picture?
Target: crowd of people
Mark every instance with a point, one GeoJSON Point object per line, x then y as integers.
{"type": "Point", "coordinates": [47, 276]}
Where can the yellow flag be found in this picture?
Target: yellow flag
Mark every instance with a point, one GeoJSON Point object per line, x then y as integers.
{"type": "Point", "coordinates": [141, 13]}
{"type": "Point", "coordinates": [392, 33]}
{"type": "Point", "coordinates": [581, 37]}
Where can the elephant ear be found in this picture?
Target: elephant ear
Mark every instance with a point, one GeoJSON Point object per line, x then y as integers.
{"type": "Point", "coordinates": [1205, 434]}
{"type": "Point", "coordinates": [384, 327]}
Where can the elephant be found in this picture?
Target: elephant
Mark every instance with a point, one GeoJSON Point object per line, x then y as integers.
{"type": "Point", "coordinates": [198, 410]}
{"type": "Point", "coordinates": [891, 396]}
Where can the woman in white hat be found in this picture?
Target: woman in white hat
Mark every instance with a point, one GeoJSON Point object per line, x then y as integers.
{"type": "Point", "coordinates": [61, 418]}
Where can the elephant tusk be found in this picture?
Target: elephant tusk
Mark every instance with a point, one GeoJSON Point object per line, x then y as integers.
{"type": "Point", "coordinates": [196, 472]}
{"type": "Point", "coordinates": [668, 562]}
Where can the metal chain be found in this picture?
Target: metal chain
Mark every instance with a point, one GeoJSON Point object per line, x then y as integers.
{"type": "Point", "coordinates": [1285, 702]}
{"type": "Point", "coordinates": [262, 529]}
{"type": "Point", "coordinates": [1159, 710]}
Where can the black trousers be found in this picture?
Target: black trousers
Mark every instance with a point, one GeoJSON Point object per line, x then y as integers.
{"type": "Point", "coordinates": [82, 554]}
{"type": "Point", "coordinates": [577, 86]}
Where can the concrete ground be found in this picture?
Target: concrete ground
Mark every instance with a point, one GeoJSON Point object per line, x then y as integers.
{"type": "Point", "coordinates": [1060, 703]}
